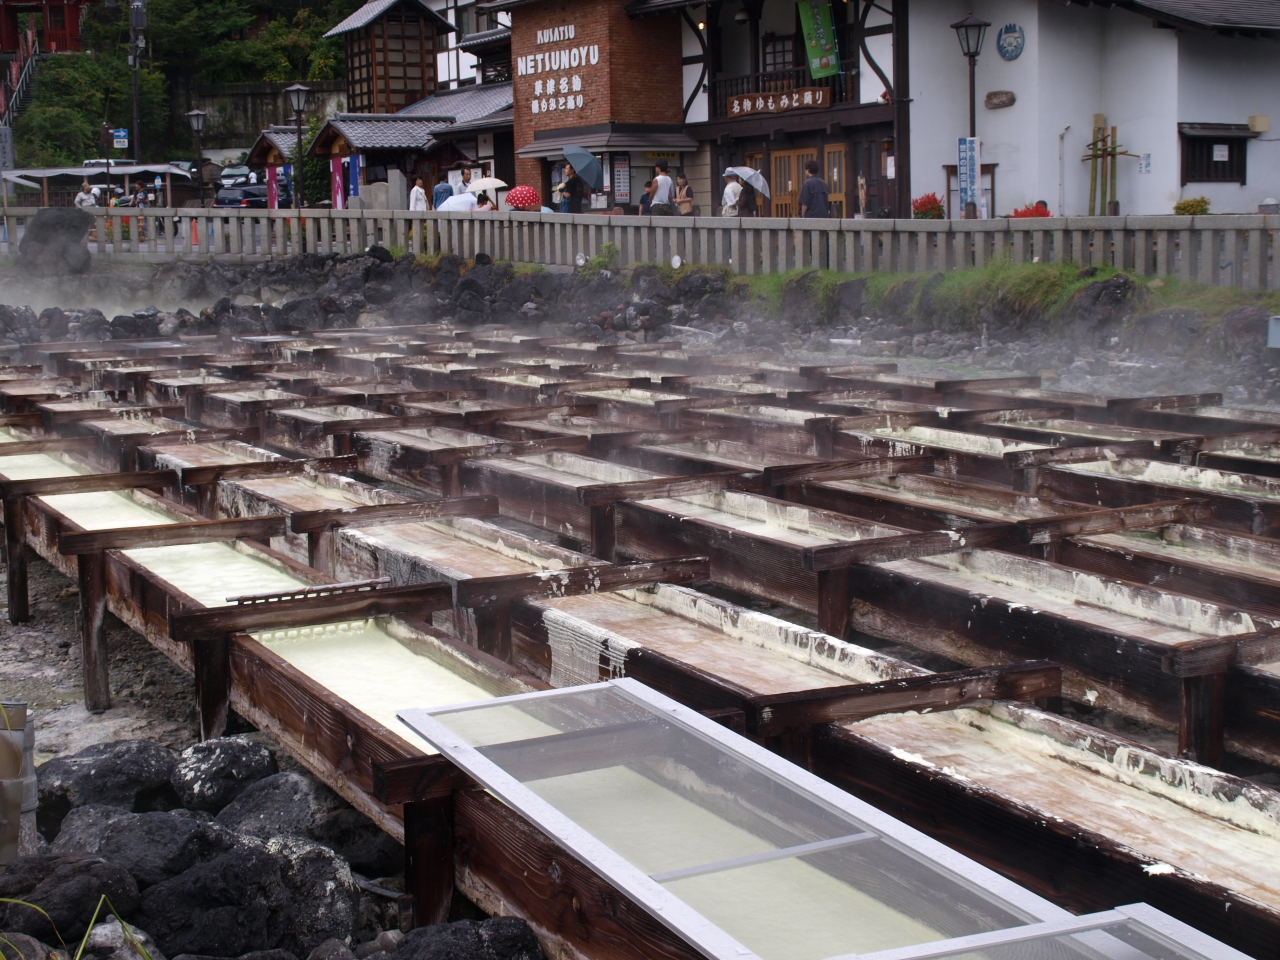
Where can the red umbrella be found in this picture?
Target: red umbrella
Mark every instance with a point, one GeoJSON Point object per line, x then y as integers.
{"type": "Point", "coordinates": [521, 197]}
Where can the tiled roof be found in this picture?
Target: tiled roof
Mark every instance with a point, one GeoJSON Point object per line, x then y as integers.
{"type": "Point", "coordinates": [373, 131]}
{"type": "Point", "coordinates": [463, 104]}
{"type": "Point", "coordinates": [372, 10]}
{"type": "Point", "coordinates": [485, 39]}
{"type": "Point", "coordinates": [498, 120]}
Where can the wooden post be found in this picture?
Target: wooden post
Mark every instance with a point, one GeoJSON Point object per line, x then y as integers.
{"type": "Point", "coordinates": [91, 574]}
{"type": "Point", "coordinates": [428, 861]}
{"type": "Point", "coordinates": [833, 601]}
{"type": "Point", "coordinates": [15, 535]}
{"type": "Point", "coordinates": [212, 657]}
{"type": "Point", "coordinates": [604, 531]}
{"type": "Point", "coordinates": [1200, 718]}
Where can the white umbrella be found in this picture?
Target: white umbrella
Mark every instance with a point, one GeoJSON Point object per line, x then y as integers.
{"type": "Point", "coordinates": [753, 177]}
{"type": "Point", "coordinates": [486, 183]}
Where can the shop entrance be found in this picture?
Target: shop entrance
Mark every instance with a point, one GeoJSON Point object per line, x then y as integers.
{"type": "Point", "coordinates": [834, 172]}
{"type": "Point", "coordinates": [788, 177]}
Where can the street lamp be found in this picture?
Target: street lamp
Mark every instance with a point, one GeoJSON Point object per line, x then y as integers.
{"type": "Point", "coordinates": [137, 23]}
{"type": "Point", "coordinates": [970, 31]}
{"type": "Point", "coordinates": [298, 100]}
{"type": "Point", "coordinates": [196, 119]}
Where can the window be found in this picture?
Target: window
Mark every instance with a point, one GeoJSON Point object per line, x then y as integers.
{"type": "Point", "coordinates": [779, 53]}
{"type": "Point", "coordinates": [57, 18]}
{"type": "Point", "coordinates": [1214, 159]}
{"type": "Point", "coordinates": [464, 20]}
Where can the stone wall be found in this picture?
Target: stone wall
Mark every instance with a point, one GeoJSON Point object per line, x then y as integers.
{"type": "Point", "coordinates": [238, 112]}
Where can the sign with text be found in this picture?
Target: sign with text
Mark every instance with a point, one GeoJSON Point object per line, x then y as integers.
{"type": "Point", "coordinates": [568, 61]}
{"type": "Point", "coordinates": [969, 172]}
{"type": "Point", "coordinates": [622, 179]}
{"type": "Point", "coordinates": [805, 98]}
{"type": "Point", "coordinates": [818, 27]}
{"type": "Point", "coordinates": [120, 138]}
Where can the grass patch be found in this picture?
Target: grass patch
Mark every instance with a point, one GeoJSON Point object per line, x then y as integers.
{"type": "Point", "coordinates": [1211, 301]}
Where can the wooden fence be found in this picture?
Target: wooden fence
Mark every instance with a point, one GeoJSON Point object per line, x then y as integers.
{"type": "Point", "coordinates": [1222, 250]}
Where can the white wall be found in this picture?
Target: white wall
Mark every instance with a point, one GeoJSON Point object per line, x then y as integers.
{"type": "Point", "coordinates": [1223, 80]}
{"type": "Point", "coordinates": [693, 76]}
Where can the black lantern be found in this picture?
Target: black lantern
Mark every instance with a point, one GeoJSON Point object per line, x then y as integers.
{"type": "Point", "coordinates": [196, 119]}
{"type": "Point", "coordinates": [971, 32]}
{"type": "Point", "coordinates": [297, 96]}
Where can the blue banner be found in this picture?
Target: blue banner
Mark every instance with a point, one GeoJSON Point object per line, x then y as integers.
{"type": "Point", "coordinates": [969, 175]}
{"type": "Point", "coordinates": [353, 175]}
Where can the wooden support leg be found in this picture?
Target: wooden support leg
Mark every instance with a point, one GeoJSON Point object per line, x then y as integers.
{"type": "Point", "coordinates": [91, 574]}
{"type": "Point", "coordinates": [493, 630]}
{"type": "Point", "coordinates": [213, 684]}
{"type": "Point", "coordinates": [604, 531]}
{"type": "Point", "coordinates": [207, 500]}
{"type": "Point", "coordinates": [1025, 480]}
{"type": "Point", "coordinates": [833, 601]}
{"type": "Point", "coordinates": [15, 545]}
{"type": "Point", "coordinates": [1200, 721]}
{"type": "Point", "coordinates": [320, 550]}
{"type": "Point", "coordinates": [449, 485]}
{"type": "Point", "coordinates": [428, 861]}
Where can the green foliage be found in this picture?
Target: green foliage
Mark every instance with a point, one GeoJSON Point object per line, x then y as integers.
{"type": "Point", "coordinates": [604, 260]}
{"type": "Point", "coordinates": [316, 187]}
{"type": "Point", "coordinates": [1191, 207]}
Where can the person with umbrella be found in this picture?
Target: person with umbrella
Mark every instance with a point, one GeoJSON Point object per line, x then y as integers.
{"type": "Point", "coordinates": [574, 188]}
{"type": "Point", "coordinates": [526, 200]}
{"type": "Point", "coordinates": [732, 191]}
{"type": "Point", "coordinates": [581, 165]}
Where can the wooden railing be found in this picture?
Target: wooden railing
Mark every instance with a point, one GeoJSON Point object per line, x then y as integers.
{"type": "Point", "coordinates": [1237, 251]}
{"type": "Point", "coordinates": [775, 83]}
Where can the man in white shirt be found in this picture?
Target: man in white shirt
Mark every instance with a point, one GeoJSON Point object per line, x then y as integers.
{"type": "Point", "coordinates": [418, 196]}
{"type": "Point", "coordinates": [460, 188]}
{"type": "Point", "coordinates": [732, 191]}
{"type": "Point", "coordinates": [86, 197]}
{"type": "Point", "coordinates": [660, 191]}
{"type": "Point", "coordinates": [459, 201]}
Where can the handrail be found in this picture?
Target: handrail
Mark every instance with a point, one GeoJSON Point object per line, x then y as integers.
{"type": "Point", "coordinates": [13, 103]}
{"type": "Point", "coordinates": [1223, 250]}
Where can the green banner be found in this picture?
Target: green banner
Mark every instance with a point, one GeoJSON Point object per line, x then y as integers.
{"type": "Point", "coordinates": [819, 38]}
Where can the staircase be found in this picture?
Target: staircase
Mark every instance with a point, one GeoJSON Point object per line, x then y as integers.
{"type": "Point", "coordinates": [19, 88]}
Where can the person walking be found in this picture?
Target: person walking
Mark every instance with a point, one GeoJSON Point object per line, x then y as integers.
{"type": "Point", "coordinates": [732, 191]}
{"type": "Point", "coordinates": [684, 196]}
{"type": "Point", "coordinates": [86, 198]}
{"type": "Point", "coordinates": [661, 191]}
{"type": "Point", "coordinates": [574, 189]}
{"type": "Point", "coordinates": [813, 195]}
{"type": "Point", "coordinates": [418, 196]}
{"type": "Point", "coordinates": [442, 192]}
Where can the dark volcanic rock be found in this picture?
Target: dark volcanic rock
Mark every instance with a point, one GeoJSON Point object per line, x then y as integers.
{"type": "Point", "coordinates": [132, 774]}
{"type": "Point", "coordinates": [251, 955]}
{"type": "Point", "coordinates": [499, 938]}
{"type": "Point", "coordinates": [66, 888]}
{"type": "Point", "coordinates": [324, 891]}
{"type": "Point", "coordinates": [1241, 332]}
{"type": "Point", "coordinates": [1167, 331]}
{"type": "Point", "coordinates": [19, 946]}
{"type": "Point", "coordinates": [224, 908]}
{"type": "Point", "coordinates": [107, 941]}
{"type": "Point", "coordinates": [54, 243]}
{"type": "Point", "coordinates": [210, 775]}
{"type": "Point", "coordinates": [1101, 308]}
{"type": "Point", "coordinates": [83, 827]}
{"type": "Point", "coordinates": [156, 846]}
{"type": "Point", "coordinates": [294, 805]}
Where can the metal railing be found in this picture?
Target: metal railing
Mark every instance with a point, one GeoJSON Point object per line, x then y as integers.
{"type": "Point", "coordinates": [1239, 251]}
{"type": "Point", "coordinates": [15, 90]}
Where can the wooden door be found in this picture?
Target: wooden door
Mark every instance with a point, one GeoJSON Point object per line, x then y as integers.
{"type": "Point", "coordinates": [837, 182]}
{"type": "Point", "coordinates": [788, 176]}
{"type": "Point", "coordinates": [755, 160]}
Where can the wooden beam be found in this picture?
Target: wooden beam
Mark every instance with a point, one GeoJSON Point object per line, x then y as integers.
{"type": "Point", "coordinates": [417, 778]}
{"type": "Point", "coordinates": [845, 370]}
{"type": "Point", "coordinates": [578, 386]}
{"type": "Point", "coordinates": [88, 483]}
{"type": "Point", "coordinates": [604, 442]}
{"type": "Point", "coordinates": [964, 418]}
{"type": "Point", "coordinates": [1190, 446]}
{"type": "Point", "coordinates": [1142, 516]}
{"type": "Point", "coordinates": [481, 418]}
{"type": "Point", "coordinates": [52, 418]}
{"type": "Point", "coordinates": [15, 545]}
{"type": "Point", "coordinates": [415, 421]}
{"type": "Point", "coordinates": [846, 470]}
{"type": "Point", "coordinates": [428, 861]}
{"type": "Point", "coordinates": [771, 714]}
{"type": "Point", "coordinates": [1171, 402]}
{"type": "Point", "coordinates": [1257, 648]}
{"type": "Point", "coordinates": [908, 546]}
{"type": "Point", "coordinates": [172, 534]}
{"type": "Point", "coordinates": [663, 487]}
{"type": "Point", "coordinates": [420, 599]}
{"type": "Point", "coordinates": [21, 419]}
{"type": "Point", "coordinates": [1003, 383]}
{"type": "Point", "coordinates": [1024, 459]}
{"type": "Point", "coordinates": [575, 581]}
{"type": "Point", "coordinates": [509, 448]}
{"type": "Point", "coordinates": [258, 469]}
{"type": "Point", "coordinates": [314, 521]}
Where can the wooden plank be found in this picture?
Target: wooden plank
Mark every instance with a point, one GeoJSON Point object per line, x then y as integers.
{"type": "Point", "coordinates": [314, 521]}
{"type": "Point", "coordinates": [172, 534]}
{"type": "Point", "coordinates": [1190, 446]}
{"type": "Point", "coordinates": [846, 470]}
{"type": "Point", "coordinates": [415, 421]}
{"type": "Point", "coordinates": [1171, 402]}
{"type": "Point", "coordinates": [1003, 383]}
{"type": "Point", "coordinates": [258, 469]}
{"type": "Point", "coordinates": [508, 448]}
{"type": "Point", "coordinates": [770, 715]}
{"type": "Point", "coordinates": [1260, 647]}
{"type": "Point", "coordinates": [597, 578]}
{"type": "Point", "coordinates": [21, 419]}
{"type": "Point", "coordinates": [1023, 459]}
{"type": "Point", "coordinates": [661, 488]}
{"type": "Point", "coordinates": [604, 442]}
{"type": "Point", "coordinates": [481, 418]}
{"type": "Point", "coordinates": [88, 483]}
{"type": "Point", "coordinates": [22, 448]}
{"type": "Point", "coordinates": [56, 417]}
{"type": "Point", "coordinates": [695, 688]}
{"type": "Point", "coordinates": [908, 546]}
{"type": "Point", "coordinates": [420, 598]}
{"type": "Point", "coordinates": [1143, 516]}
{"type": "Point", "coordinates": [417, 778]}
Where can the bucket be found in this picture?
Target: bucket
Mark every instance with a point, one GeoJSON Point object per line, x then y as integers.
{"type": "Point", "coordinates": [16, 767]}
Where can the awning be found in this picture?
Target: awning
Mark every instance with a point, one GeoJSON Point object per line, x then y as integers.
{"type": "Point", "coordinates": [1216, 130]}
{"type": "Point", "coordinates": [610, 138]}
{"type": "Point", "coordinates": [94, 170]}
{"type": "Point", "coordinates": [643, 8]}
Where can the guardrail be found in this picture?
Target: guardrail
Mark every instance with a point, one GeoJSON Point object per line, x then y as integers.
{"type": "Point", "coordinates": [1237, 251]}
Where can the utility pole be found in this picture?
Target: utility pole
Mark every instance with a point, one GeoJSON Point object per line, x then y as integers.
{"type": "Point", "coordinates": [137, 23]}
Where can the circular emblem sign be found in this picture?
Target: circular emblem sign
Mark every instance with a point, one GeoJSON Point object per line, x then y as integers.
{"type": "Point", "coordinates": [1010, 41]}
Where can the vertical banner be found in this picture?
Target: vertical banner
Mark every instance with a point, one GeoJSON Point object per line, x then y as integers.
{"type": "Point", "coordinates": [821, 52]}
{"type": "Point", "coordinates": [337, 188]}
{"type": "Point", "coordinates": [273, 187]}
{"type": "Point", "coordinates": [969, 175]}
{"type": "Point", "coordinates": [353, 175]}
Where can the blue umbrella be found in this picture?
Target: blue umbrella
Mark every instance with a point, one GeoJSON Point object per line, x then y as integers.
{"type": "Point", "coordinates": [586, 166]}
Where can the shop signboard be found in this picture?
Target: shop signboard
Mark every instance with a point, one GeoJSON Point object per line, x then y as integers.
{"type": "Point", "coordinates": [622, 179]}
{"type": "Point", "coordinates": [821, 52]}
{"type": "Point", "coordinates": [804, 98]}
{"type": "Point", "coordinates": [563, 72]}
{"type": "Point", "coordinates": [969, 172]}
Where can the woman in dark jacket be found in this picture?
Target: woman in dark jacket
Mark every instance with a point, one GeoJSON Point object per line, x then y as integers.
{"type": "Point", "coordinates": [575, 187]}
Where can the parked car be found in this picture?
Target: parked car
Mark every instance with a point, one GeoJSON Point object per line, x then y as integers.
{"type": "Point", "coordinates": [253, 196]}
{"type": "Point", "coordinates": [235, 176]}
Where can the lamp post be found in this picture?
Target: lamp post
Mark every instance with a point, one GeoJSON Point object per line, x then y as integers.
{"type": "Point", "coordinates": [970, 31]}
{"type": "Point", "coordinates": [298, 100]}
{"type": "Point", "coordinates": [137, 23]}
{"type": "Point", "coordinates": [196, 119]}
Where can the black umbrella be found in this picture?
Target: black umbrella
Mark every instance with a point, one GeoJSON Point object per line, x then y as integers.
{"type": "Point", "coordinates": [586, 166]}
